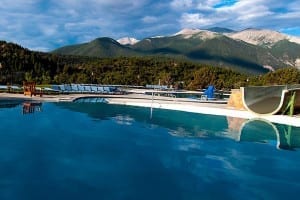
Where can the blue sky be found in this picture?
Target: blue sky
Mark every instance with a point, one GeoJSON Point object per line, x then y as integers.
{"type": "Point", "coordinates": [48, 24]}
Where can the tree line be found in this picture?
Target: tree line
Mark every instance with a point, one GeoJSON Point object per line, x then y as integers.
{"type": "Point", "coordinates": [18, 64]}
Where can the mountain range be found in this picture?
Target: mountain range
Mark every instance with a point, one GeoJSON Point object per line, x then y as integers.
{"type": "Point", "coordinates": [250, 50]}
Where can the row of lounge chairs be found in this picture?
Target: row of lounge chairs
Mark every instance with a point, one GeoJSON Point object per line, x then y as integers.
{"type": "Point", "coordinates": [157, 87]}
{"type": "Point", "coordinates": [91, 100]}
{"type": "Point", "coordinates": [68, 88]}
{"type": "Point", "coordinates": [10, 88]}
{"type": "Point", "coordinates": [86, 88]}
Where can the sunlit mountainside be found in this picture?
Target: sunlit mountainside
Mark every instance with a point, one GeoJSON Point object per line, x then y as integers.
{"type": "Point", "coordinates": [247, 50]}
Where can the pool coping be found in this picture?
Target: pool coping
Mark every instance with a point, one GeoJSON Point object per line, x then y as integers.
{"type": "Point", "coordinates": [159, 102]}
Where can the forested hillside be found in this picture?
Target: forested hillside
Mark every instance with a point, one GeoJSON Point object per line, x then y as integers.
{"type": "Point", "coordinates": [18, 64]}
{"type": "Point", "coordinates": [251, 51]}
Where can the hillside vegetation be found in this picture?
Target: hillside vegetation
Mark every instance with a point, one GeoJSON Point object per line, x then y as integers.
{"type": "Point", "coordinates": [219, 51]}
{"type": "Point", "coordinates": [18, 64]}
{"type": "Point", "coordinates": [251, 51]}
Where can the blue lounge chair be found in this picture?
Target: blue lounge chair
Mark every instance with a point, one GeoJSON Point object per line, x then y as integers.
{"type": "Point", "coordinates": [74, 88]}
{"type": "Point", "coordinates": [68, 88]}
{"type": "Point", "coordinates": [56, 88]}
{"type": "Point", "coordinates": [81, 88]}
{"type": "Point", "coordinates": [62, 88]}
{"type": "Point", "coordinates": [210, 92]}
{"type": "Point", "coordinates": [100, 89]}
{"type": "Point", "coordinates": [94, 88]}
{"type": "Point", "coordinates": [87, 89]}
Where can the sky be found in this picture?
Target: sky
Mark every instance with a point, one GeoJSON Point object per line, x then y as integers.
{"type": "Point", "coordinates": [45, 25]}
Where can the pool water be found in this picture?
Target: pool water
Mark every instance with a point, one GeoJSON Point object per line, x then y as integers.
{"type": "Point", "coordinates": [101, 151]}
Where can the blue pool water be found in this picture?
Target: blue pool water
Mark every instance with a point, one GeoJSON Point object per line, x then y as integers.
{"type": "Point", "coordinates": [100, 151]}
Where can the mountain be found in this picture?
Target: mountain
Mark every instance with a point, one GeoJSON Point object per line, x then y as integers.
{"type": "Point", "coordinates": [288, 52]}
{"type": "Point", "coordinates": [283, 47]}
{"type": "Point", "coordinates": [197, 33]}
{"type": "Point", "coordinates": [100, 47]}
{"type": "Point", "coordinates": [262, 37]}
{"type": "Point", "coordinates": [209, 48]}
{"type": "Point", "coordinates": [18, 64]}
{"type": "Point", "coordinates": [249, 51]}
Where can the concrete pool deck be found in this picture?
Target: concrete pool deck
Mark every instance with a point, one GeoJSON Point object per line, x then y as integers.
{"type": "Point", "coordinates": [180, 104]}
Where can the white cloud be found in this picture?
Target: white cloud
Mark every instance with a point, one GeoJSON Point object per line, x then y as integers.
{"type": "Point", "coordinates": [241, 14]}
{"type": "Point", "coordinates": [156, 30]}
{"type": "Point", "coordinates": [291, 15]}
{"type": "Point", "coordinates": [150, 19]}
{"type": "Point", "coordinates": [194, 20]}
{"type": "Point", "coordinates": [49, 29]}
{"type": "Point", "coordinates": [104, 5]}
{"type": "Point", "coordinates": [51, 22]}
{"type": "Point", "coordinates": [293, 5]}
{"type": "Point", "coordinates": [181, 4]}
{"type": "Point", "coordinates": [206, 5]}
{"type": "Point", "coordinates": [17, 4]}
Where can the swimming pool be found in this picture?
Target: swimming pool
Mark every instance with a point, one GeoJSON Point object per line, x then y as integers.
{"type": "Point", "coordinates": [101, 151]}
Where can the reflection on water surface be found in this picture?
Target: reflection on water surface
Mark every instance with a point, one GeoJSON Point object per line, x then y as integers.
{"type": "Point", "coordinates": [185, 124]}
{"type": "Point", "coordinates": [101, 151]}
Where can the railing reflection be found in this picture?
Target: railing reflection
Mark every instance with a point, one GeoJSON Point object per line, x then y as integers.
{"type": "Point", "coordinates": [31, 107]}
{"type": "Point", "coordinates": [263, 131]}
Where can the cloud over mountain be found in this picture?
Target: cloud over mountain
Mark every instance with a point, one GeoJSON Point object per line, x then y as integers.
{"type": "Point", "coordinates": [48, 24]}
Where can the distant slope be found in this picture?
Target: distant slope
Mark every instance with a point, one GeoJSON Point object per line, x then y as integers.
{"type": "Point", "coordinates": [100, 47]}
{"type": "Point", "coordinates": [250, 50]}
{"type": "Point", "coordinates": [286, 51]}
{"type": "Point", "coordinates": [262, 37]}
{"type": "Point", "coordinates": [214, 49]}
{"type": "Point", "coordinates": [223, 51]}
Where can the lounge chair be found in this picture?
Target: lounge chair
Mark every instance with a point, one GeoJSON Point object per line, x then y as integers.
{"type": "Point", "coordinates": [209, 93]}
{"type": "Point", "coordinates": [68, 88]}
{"type": "Point", "coordinates": [3, 87]}
{"type": "Point", "coordinates": [74, 88]}
{"type": "Point", "coordinates": [100, 89]}
{"type": "Point", "coordinates": [87, 89]}
{"type": "Point", "coordinates": [81, 88]}
{"type": "Point", "coordinates": [94, 89]}
{"type": "Point", "coordinates": [62, 88]}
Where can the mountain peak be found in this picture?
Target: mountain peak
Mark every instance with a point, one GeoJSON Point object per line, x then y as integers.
{"type": "Point", "coordinates": [104, 40]}
{"type": "Point", "coordinates": [259, 36]}
{"type": "Point", "coordinates": [294, 39]}
{"type": "Point", "coordinates": [197, 33]}
{"type": "Point", "coordinates": [187, 31]}
{"type": "Point", "coordinates": [127, 41]}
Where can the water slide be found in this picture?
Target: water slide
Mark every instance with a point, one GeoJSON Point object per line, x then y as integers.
{"type": "Point", "coordinates": [270, 100]}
